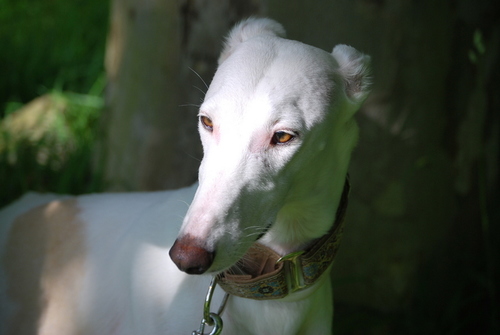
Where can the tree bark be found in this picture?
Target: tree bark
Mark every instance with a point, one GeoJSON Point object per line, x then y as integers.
{"type": "Point", "coordinates": [159, 56]}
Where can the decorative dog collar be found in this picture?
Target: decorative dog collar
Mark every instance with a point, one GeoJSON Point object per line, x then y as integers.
{"type": "Point", "coordinates": [262, 274]}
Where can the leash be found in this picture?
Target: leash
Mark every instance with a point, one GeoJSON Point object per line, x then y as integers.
{"type": "Point", "coordinates": [211, 319]}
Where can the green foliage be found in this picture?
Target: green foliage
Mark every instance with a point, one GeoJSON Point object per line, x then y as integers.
{"type": "Point", "coordinates": [49, 49]}
{"type": "Point", "coordinates": [50, 44]}
{"type": "Point", "coordinates": [479, 48]}
{"type": "Point", "coordinates": [47, 145]}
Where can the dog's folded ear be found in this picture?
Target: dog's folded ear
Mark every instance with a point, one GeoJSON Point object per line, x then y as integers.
{"type": "Point", "coordinates": [354, 67]}
{"type": "Point", "coordinates": [247, 29]}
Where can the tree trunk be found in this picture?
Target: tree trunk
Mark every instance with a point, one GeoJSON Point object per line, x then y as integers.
{"type": "Point", "coordinates": [159, 56]}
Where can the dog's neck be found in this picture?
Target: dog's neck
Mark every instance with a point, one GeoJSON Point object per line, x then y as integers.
{"type": "Point", "coordinates": [262, 274]}
{"type": "Point", "coordinates": [300, 222]}
{"type": "Point", "coordinates": [317, 188]}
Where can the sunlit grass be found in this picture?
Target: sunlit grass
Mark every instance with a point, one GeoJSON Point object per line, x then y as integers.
{"type": "Point", "coordinates": [47, 145]}
{"type": "Point", "coordinates": [51, 87]}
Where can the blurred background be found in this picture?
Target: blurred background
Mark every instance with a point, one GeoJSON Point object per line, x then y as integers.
{"type": "Point", "coordinates": [102, 96]}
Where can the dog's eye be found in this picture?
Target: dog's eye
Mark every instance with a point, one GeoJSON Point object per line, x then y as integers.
{"type": "Point", "coordinates": [281, 137]}
{"type": "Point", "coordinates": [207, 122]}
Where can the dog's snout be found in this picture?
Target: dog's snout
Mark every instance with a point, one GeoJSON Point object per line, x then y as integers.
{"type": "Point", "coordinates": [190, 257]}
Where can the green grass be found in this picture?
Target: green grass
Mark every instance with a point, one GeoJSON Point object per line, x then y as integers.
{"type": "Point", "coordinates": [50, 45]}
{"type": "Point", "coordinates": [53, 49]}
{"type": "Point", "coordinates": [48, 145]}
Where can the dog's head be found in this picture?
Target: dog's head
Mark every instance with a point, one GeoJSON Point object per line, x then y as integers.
{"type": "Point", "coordinates": [277, 130]}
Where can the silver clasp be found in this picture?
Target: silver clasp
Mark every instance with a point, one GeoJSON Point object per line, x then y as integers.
{"type": "Point", "coordinates": [293, 268]}
{"type": "Point", "coordinates": [211, 319]}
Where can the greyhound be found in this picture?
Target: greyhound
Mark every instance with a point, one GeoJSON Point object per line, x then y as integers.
{"type": "Point", "coordinates": [264, 220]}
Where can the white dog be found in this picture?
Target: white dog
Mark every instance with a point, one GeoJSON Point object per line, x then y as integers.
{"type": "Point", "coordinates": [277, 129]}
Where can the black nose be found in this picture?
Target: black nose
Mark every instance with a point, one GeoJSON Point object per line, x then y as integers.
{"type": "Point", "coordinates": [189, 257]}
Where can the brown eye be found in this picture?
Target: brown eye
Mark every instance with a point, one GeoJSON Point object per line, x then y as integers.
{"type": "Point", "coordinates": [281, 137]}
{"type": "Point", "coordinates": [207, 123]}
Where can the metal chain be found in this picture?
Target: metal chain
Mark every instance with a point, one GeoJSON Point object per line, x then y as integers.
{"type": "Point", "coordinates": [211, 319]}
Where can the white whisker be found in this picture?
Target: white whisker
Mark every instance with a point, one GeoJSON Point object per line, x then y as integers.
{"type": "Point", "coordinates": [190, 105]}
{"type": "Point", "coordinates": [196, 73]}
{"type": "Point", "coordinates": [185, 203]}
{"type": "Point", "coordinates": [199, 89]}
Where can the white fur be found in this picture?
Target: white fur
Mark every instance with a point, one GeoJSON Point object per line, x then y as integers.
{"type": "Point", "coordinates": [247, 186]}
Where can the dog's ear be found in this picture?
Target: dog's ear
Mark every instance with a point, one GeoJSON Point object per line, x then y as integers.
{"type": "Point", "coordinates": [354, 67]}
{"type": "Point", "coordinates": [247, 29]}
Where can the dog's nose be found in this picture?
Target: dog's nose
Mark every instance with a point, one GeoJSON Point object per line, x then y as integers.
{"type": "Point", "coordinates": [190, 257]}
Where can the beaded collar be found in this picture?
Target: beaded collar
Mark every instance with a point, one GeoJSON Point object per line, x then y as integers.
{"type": "Point", "coordinates": [267, 275]}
